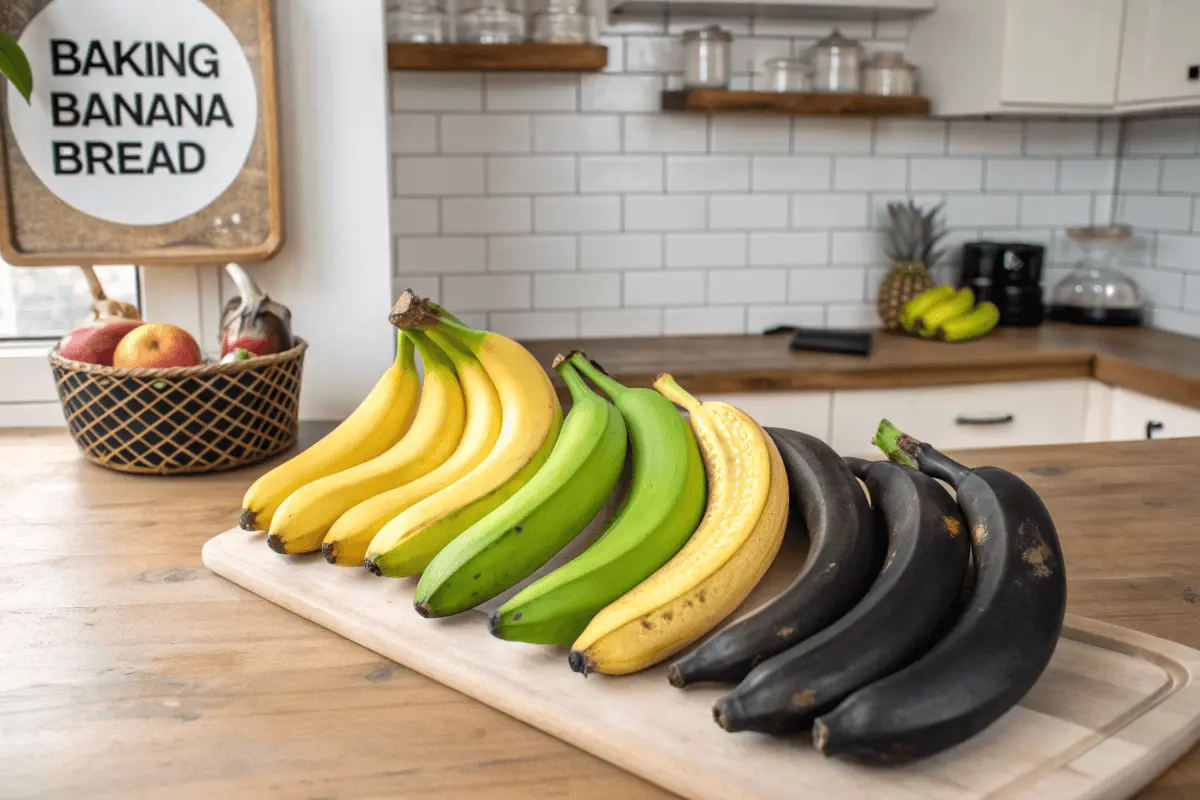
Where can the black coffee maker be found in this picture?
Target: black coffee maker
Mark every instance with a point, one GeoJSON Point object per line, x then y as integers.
{"type": "Point", "coordinates": [1008, 274]}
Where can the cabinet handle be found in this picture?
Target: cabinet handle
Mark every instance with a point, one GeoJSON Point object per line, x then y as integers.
{"type": "Point", "coordinates": [1194, 72]}
{"type": "Point", "coordinates": [998, 419]}
{"type": "Point", "coordinates": [1151, 427]}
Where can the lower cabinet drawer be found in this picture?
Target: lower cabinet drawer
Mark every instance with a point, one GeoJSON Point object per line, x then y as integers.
{"type": "Point", "coordinates": [807, 412]}
{"type": "Point", "coordinates": [1137, 416]}
{"type": "Point", "coordinates": [978, 415]}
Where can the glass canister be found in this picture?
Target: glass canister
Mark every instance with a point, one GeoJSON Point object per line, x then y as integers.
{"type": "Point", "coordinates": [417, 22]}
{"type": "Point", "coordinates": [787, 75]}
{"type": "Point", "coordinates": [564, 22]}
{"type": "Point", "coordinates": [836, 62]}
{"type": "Point", "coordinates": [890, 75]}
{"type": "Point", "coordinates": [491, 22]}
{"type": "Point", "coordinates": [706, 58]}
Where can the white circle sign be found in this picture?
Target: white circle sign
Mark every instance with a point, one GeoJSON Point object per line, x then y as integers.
{"type": "Point", "coordinates": [143, 111]}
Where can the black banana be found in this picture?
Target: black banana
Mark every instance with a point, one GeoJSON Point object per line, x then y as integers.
{"type": "Point", "coordinates": [999, 646]}
{"type": "Point", "coordinates": [916, 590]}
{"type": "Point", "coordinates": [827, 501]}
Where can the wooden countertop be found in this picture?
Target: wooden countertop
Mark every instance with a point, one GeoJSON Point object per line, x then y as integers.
{"type": "Point", "coordinates": [1157, 363]}
{"type": "Point", "coordinates": [129, 670]}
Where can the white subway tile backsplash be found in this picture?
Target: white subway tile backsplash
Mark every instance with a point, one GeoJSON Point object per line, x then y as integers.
{"type": "Point", "coordinates": [829, 211]}
{"type": "Point", "coordinates": [1162, 137]}
{"type": "Point", "coordinates": [857, 247]}
{"type": "Point", "coordinates": [666, 133]}
{"type": "Point", "coordinates": [629, 24]}
{"type": "Point", "coordinates": [708, 173]}
{"type": "Point", "coordinates": [486, 292]}
{"type": "Point", "coordinates": [971, 211]}
{"type": "Point", "coordinates": [1156, 213]}
{"type": "Point", "coordinates": [831, 135]}
{"type": "Point", "coordinates": [576, 133]}
{"type": "Point", "coordinates": [733, 134]}
{"type": "Point", "coordinates": [437, 91]}
{"type": "Point", "coordinates": [1178, 252]}
{"type": "Point", "coordinates": [1191, 294]}
{"type": "Point", "coordinates": [1139, 174]}
{"type": "Point", "coordinates": [1181, 175]}
{"type": "Point", "coordinates": [530, 326]}
{"type": "Point", "coordinates": [427, 286]}
{"type": "Point", "coordinates": [1045, 138]}
{"type": "Point", "coordinates": [788, 249]}
{"type": "Point", "coordinates": [621, 251]}
{"type": "Point", "coordinates": [897, 136]}
{"type": "Point", "coordinates": [653, 54]}
{"type": "Point", "coordinates": [1056, 210]}
{"type": "Point", "coordinates": [439, 254]}
{"type": "Point", "coordinates": [946, 174]}
{"type": "Point", "coordinates": [702, 321]}
{"type": "Point", "coordinates": [674, 288]}
{"type": "Point", "coordinates": [621, 92]}
{"type": "Point", "coordinates": [741, 286]}
{"type": "Point", "coordinates": [414, 216]}
{"type": "Point", "coordinates": [530, 91]}
{"type": "Point", "coordinates": [826, 285]}
{"type": "Point", "coordinates": [792, 173]}
{"type": "Point", "coordinates": [413, 133]}
{"type": "Point", "coordinates": [851, 316]}
{"type": "Point", "coordinates": [577, 290]}
{"type": "Point", "coordinates": [992, 138]}
{"type": "Point", "coordinates": [576, 214]}
{"type": "Point", "coordinates": [666, 213]}
{"type": "Point", "coordinates": [1110, 137]}
{"type": "Point", "coordinates": [1087, 174]}
{"type": "Point", "coordinates": [706, 249]}
{"type": "Point", "coordinates": [1012, 174]}
{"type": "Point", "coordinates": [760, 318]}
{"type": "Point", "coordinates": [1158, 287]}
{"type": "Point", "coordinates": [530, 174]}
{"type": "Point", "coordinates": [531, 253]}
{"type": "Point", "coordinates": [750, 54]}
{"type": "Point", "coordinates": [747, 211]}
{"type": "Point", "coordinates": [413, 176]}
{"type": "Point", "coordinates": [870, 174]}
{"type": "Point", "coordinates": [620, 174]}
{"type": "Point", "coordinates": [486, 215]}
{"type": "Point", "coordinates": [1196, 215]}
{"type": "Point", "coordinates": [485, 133]}
{"type": "Point", "coordinates": [625, 322]}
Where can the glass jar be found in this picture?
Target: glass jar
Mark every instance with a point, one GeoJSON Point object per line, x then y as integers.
{"type": "Point", "coordinates": [417, 22]}
{"type": "Point", "coordinates": [836, 62]}
{"type": "Point", "coordinates": [890, 75]}
{"type": "Point", "coordinates": [564, 22]}
{"type": "Point", "coordinates": [491, 22]}
{"type": "Point", "coordinates": [787, 75]}
{"type": "Point", "coordinates": [706, 58]}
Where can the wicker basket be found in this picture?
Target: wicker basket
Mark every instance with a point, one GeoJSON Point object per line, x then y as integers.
{"type": "Point", "coordinates": [179, 420]}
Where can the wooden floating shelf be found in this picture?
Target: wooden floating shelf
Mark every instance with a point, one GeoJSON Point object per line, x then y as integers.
{"type": "Point", "coordinates": [726, 101]}
{"type": "Point", "coordinates": [525, 57]}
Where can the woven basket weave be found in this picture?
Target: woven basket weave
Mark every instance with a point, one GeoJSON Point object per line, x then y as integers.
{"type": "Point", "coordinates": [180, 420]}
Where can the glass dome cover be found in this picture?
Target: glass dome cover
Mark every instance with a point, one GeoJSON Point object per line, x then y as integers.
{"type": "Point", "coordinates": [1097, 292]}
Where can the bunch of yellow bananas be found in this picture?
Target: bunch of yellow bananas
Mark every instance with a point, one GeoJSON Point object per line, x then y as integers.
{"type": "Point", "coordinates": [949, 315]}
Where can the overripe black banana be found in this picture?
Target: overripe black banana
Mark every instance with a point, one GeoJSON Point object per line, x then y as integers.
{"type": "Point", "coordinates": [916, 588]}
{"type": "Point", "coordinates": [998, 648]}
{"type": "Point", "coordinates": [827, 501]}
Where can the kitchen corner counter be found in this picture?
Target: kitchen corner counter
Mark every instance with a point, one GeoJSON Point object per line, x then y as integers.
{"type": "Point", "coordinates": [1156, 363]}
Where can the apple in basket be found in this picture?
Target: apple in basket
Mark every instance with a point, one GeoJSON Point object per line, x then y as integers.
{"type": "Point", "coordinates": [96, 343]}
{"type": "Point", "coordinates": [157, 345]}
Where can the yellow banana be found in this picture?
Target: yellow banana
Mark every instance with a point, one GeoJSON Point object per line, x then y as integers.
{"type": "Point", "coordinates": [347, 540]}
{"type": "Point", "coordinates": [378, 423]}
{"type": "Point", "coordinates": [726, 557]}
{"type": "Point", "coordinates": [303, 519]}
{"type": "Point", "coordinates": [530, 419]}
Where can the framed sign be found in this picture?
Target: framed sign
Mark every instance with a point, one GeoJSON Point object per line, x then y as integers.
{"type": "Point", "coordinates": [151, 137]}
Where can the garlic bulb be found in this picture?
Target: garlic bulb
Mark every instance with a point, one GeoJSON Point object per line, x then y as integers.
{"type": "Point", "coordinates": [253, 320]}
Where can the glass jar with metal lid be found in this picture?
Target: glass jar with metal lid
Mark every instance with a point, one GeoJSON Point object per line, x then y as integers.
{"type": "Point", "coordinates": [836, 61]}
{"type": "Point", "coordinates": [890, 75]}
{"type": "Point", "coordinates": [706, 58]}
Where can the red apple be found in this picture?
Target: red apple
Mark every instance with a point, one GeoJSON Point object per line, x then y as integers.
{"type": "Point", "coordinates": [96, 343]}
{"type": "Point", "coordinates": [157, 345]}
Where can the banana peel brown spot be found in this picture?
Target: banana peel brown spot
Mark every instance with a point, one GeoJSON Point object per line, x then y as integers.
{"type": "Point", "coordinates": [953, 525]}
{"type": "Point", "coordinates": [647, 624]}
{"type": "Point", "coordinates": [804, 699]}
{"type": "Point", "coordinates": [1034, 551]}
{"type": "Point", "coordinates": [980, 533]}
{"type": "Point", "coordinates": [668, 616]}
{"type": "Point", "coordinates": [700, 597]}
{"type": "Point", "coordinates": [687, 603]}
{"type": "Point", "coordinates": [785, 632]}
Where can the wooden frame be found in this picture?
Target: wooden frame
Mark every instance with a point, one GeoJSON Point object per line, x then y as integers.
{"type": "Point", "coordinates": [167, 255]}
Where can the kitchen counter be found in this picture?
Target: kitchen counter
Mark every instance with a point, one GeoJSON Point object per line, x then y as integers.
{"type": "Point", "coordinates": [128, 670]}
{"type": "Point", "coordinates": [1157, 363]}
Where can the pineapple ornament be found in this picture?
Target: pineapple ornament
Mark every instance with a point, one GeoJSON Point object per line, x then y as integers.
{"type": "Point", "coordinates": [912, 236]}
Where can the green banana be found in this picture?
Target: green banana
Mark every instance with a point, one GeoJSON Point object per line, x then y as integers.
{"type": "Point", "coordinates": [958, 303]}
{"type": "Point", "coordinates": [922, 303]}
{"type": "Point", "coordinates": [971, 325]}
{"type": "Point", "coordinates": [665, 503]}
{"type": "Point", "coordinates": [509, 544]}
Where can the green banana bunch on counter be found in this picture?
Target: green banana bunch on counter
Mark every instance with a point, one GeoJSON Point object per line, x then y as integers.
{"type": "Point", "coordinates": [949, 315]}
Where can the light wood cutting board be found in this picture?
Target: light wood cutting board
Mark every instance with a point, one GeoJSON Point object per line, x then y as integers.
{"type": "Point", "coordinates": [1114, 709]}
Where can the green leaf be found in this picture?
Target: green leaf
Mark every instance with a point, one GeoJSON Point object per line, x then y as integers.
{"type": "Point", "coordinates": [15, 66]}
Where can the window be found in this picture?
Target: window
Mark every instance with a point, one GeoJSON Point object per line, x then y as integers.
{"type": "Point", "coordinates": [47, 302]}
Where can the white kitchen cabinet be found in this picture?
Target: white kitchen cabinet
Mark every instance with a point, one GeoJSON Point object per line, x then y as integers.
{"type": "Point", "coordinates": [807, 412]}
{"type": "Point", "coordinates": [1137, 416]}
{"type": "Point", "coordinates": [978, 415]}
{"type": "Point", "coordinates": [1160, 54]}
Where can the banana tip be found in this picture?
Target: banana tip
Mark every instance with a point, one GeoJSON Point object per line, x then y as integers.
{"type": "Point", "coordinates": [422, 609]}
{"type": "Point", "coordinates": [722, 719]}
{"type": "Point", "coordinates": [329, 551]}
{"type": "Point", "coordinates": [493, 623]}
{"type": "Point", "coordinates": [276, 543]}
{"type": "Point", "coordinates": [675, 676]}
{"type": "Point", "coordinates": [820, 735]}
{"type": "Point", "coordinates": [372, 566]}
{"type": "Point", "coordinates": [579, 662]}
{"type": "Point", "coordinates": [248, 520]}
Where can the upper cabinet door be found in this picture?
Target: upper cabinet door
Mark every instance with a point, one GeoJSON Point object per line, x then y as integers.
{"type": "Point", "coordinates": [1062, 52]}
{"type": "Point", "coordinates": [1160, 50]}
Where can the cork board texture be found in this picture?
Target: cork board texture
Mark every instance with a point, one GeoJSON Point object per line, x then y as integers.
{"type": "Point", "coordinates": [243, 223]}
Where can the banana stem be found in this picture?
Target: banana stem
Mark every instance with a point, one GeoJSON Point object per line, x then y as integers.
{"type": "Point", "coordinates": [596, 375]}
{"type": "Point", "coordinates": [904, 449]}
{"type": "Point", "coordinates": [412, 311]}
{"type": "Point", "coordinates": [575, 384]}
{"type": "Point", "coordinates": [404, 351]}
{"type": "Point", "coordinates": [895, 444]}
{"type": "Point", "coordinates": [432, 356]}
{"type": "Point", "coordinates": [666, 386]}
